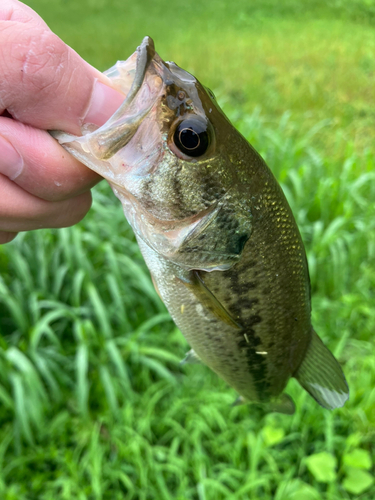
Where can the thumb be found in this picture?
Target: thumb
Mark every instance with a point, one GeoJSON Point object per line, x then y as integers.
{"type": "Point", "coordinates": [45, 83]}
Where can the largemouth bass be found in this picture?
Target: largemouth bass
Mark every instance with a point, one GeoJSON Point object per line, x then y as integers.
{"type": "Point", "coordinates": [216, 232]}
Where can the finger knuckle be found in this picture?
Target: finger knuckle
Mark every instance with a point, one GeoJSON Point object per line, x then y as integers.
{"type": "Point", "coordinates": [43, 61]}
{"type": "Point", "coordinates": [31, 59]}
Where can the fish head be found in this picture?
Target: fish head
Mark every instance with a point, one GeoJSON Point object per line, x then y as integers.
{"type": "Point", "coordinates": [171, 157]}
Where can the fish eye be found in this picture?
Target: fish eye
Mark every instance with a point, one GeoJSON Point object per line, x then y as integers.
{"type": "Point", "coordinates": [192, 136]}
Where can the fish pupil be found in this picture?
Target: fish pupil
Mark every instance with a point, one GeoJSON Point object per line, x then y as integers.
{"type": "Point", "coordinates": [191, 137]}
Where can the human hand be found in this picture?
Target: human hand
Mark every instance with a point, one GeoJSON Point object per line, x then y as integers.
{"type": "Point", "coordinates": [44, 85]}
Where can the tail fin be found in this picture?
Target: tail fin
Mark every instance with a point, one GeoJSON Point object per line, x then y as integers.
{"type": "Point", "coordinates": [321, 375]}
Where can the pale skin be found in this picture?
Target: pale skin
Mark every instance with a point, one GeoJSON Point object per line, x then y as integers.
{"type": "Point", "coordinates": [45, 85]}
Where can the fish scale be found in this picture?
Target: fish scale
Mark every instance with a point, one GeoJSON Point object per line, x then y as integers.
{"type": "Point", "coordinates": [216, 232]}
{"type": "Point", "coordinates": [202, 330]}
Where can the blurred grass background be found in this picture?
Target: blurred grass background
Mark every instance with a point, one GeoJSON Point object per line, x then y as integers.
{"type": "Point", "coordinates": [93, 403]}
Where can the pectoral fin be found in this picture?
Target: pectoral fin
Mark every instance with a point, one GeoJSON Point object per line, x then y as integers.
{"type": "Point", "coordinates": [321, 375]}
{"type": "Point", "coordinates": [197, 286]}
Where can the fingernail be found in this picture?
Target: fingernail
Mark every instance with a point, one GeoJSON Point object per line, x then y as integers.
{"type": "Point", "coordinates": [104, 102]}
{"type": "Point", "coordinates": [11, 162]}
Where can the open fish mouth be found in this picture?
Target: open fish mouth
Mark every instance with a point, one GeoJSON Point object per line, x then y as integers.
{"type": "Point", "coordinates": [144, 78]}
{"type": "Point", "coordinates": [140, 79]}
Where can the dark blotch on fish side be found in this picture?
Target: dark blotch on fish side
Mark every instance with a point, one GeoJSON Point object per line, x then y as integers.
{"type": "Point", "coordinates": [256, 363]}
{"type": "Point", "coordinates": [253, 320]}
{"type": "Point", "coordinates": [241, 242]}
{"type": "Point", "coordinates": [245, 304]}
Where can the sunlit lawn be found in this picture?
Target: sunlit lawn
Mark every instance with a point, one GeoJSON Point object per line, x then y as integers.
{"type": "Point", "coordinates": [93, 402]}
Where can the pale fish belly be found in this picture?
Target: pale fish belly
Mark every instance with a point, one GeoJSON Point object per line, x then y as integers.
{"type": "Point", "coordinates": [216, 343]}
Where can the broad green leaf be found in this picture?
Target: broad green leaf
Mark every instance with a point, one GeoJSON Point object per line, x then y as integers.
{"type": "Point", "coordinates": [295, 489]}
{"type": "Point", "coordinates": [322, 466]}
{"type": "Point", "coordinates": [354, 439]}
{"type": "Point", "coordinates": [272, 435]}
{"type": "Point", "coordinates": [358, 458]}
{"type": "Point", "coordinates": [357, 481]}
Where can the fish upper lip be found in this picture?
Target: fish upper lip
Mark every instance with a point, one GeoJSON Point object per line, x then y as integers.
{"type": "Point", "coordinates": [145, 54]}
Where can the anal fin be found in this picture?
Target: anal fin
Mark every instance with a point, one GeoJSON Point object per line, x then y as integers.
{"type": "Point", "coordinates": [283, 404]}
{"type": "Point", "coordinates": [240, 400]}
{"type": "Point", "coordinates": [191, 357]}
{"type": "Point", "coordinates": [321, 375]}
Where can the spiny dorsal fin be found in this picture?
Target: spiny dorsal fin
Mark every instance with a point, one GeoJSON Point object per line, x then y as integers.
{"type": "Point", "coordinates": [321, 375]}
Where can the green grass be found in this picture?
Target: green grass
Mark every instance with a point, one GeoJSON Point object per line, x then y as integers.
{"type": "Point", "coordinates": [93, 402]}
{"type": "Point", "coordinates": [315, 59]}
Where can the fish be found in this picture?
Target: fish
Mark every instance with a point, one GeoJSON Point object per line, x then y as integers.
{"type": "Point", "coordinates": [215, 230]}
